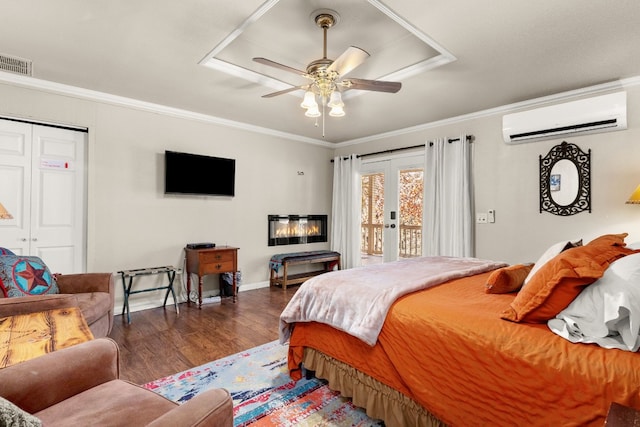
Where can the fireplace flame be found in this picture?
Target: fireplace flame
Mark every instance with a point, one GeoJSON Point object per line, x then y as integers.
{"type": "Point", "coordinates": [295, 229]}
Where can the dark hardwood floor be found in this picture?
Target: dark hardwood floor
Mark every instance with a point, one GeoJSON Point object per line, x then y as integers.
{"type": "Point", "coordinates": [158, 342]}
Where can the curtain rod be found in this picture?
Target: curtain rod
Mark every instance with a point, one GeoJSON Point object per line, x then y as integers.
{"type": "Point", "coordinates": [393, 150]}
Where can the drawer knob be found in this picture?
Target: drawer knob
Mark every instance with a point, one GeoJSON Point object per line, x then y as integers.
{"type": "Point", "coordinates": [219, 266]}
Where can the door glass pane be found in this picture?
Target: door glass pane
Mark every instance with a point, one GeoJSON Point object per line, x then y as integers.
{"type": "Point", "coordinates": [372, 217]}
{"type": "Point", "coordinates": [411, 195]}
{"type": "Point", "coordinates": [391, 210]}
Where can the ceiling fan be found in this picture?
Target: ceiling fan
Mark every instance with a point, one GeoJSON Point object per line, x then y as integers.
{"type": "Point", "coordinates": [327, 76]}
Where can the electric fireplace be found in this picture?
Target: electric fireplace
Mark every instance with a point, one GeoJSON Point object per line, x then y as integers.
{"type": "Point", "coordinates": [295, 229]}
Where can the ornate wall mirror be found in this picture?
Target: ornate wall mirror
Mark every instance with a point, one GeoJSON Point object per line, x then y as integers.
{"type": "Point", "coordinates": [565, 180]}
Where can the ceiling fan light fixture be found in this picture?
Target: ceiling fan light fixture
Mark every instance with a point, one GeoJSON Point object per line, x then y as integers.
{"type": "Point", "coordinates": [309, 100]}
{"type": "Point", "coordinates": [337, 111]}
{"type": "Point", "coordinates": [335, 101]}
{"type": "Point", "coordinates": [326, 75]}
{"type": "Point", "coordinates": [313, 111]}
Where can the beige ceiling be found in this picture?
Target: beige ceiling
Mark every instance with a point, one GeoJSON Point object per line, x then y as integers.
{"type": "Point", "coordinates": [452, 57]}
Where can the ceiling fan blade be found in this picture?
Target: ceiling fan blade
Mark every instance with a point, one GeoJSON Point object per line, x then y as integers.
{"type": "Point", "coordinates": [282, 92]}
{"type": "Point", "coordinates": [350, 59]}
{"type": "Point", "coordinates": [271, 63]}
{"type": "Point", "coordinates": [375, 85]}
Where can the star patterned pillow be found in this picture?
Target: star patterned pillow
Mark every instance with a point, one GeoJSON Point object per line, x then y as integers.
{"type": "Point", "coordinates": [25, 275]}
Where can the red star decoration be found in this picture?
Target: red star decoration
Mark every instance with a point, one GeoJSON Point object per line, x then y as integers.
{"type": "Point", "coordinates": [33, 276]}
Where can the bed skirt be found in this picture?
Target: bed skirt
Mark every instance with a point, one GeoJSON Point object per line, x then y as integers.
{"type": "Point", "coordinates": [379, 400]}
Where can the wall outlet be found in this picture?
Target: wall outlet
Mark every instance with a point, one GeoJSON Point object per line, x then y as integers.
{"type": "Point", "coordinates": [491, 216]}
{"type": "Point", "coordinates": [481, 218]}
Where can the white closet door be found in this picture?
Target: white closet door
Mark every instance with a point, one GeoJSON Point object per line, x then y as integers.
{"type": "Point", "coordinates": [58, 198]}
{"type": "Point", "coordinates": [15, 185]}
{"type": "Point", "coordinates": [48, 192]}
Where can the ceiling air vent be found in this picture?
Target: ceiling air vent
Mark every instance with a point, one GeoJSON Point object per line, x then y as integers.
{"type": "Point", "coordinates": [15, 65]}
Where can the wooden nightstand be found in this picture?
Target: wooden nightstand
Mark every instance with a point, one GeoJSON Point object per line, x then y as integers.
{"type": "Point", "coordinates": [218, 260]}
{"type": "Point", "coordinates": [622, 416]}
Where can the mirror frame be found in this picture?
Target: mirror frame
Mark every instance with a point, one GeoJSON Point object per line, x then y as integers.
{"type": "Point", "coordinates": [582, 162]}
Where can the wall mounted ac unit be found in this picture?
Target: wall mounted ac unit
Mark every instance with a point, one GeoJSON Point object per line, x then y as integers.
{"type": "Point", "coordinates": [605, 113]}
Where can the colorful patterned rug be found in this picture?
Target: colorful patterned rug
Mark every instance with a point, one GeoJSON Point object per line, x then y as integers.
{"type": "Point", "coordinates": [263, 393]}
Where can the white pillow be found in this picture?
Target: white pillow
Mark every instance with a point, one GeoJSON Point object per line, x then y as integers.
{"type": "Point", "coordinates": [546, 256]}
{"type": "Point", "coordinates": [634, 245]}
{"type": "Point", "coordinates": [607, 312]}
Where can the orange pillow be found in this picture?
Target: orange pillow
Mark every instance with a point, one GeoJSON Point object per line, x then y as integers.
{"type": "Point", "coordinates": [610, 239]}
{"type": "Point", "coordinates": [507, 279]}
{"type": "Point", "coordinates": [561, 279]}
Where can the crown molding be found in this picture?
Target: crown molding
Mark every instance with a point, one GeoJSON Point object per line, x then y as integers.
{"type": "Point", "coordinates": [92, 95]}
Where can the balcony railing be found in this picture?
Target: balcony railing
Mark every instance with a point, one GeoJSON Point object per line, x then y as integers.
{"type": "Point", "coordinates": [371, 239]}
{"type": "Point", "coordinates": [410, 240]}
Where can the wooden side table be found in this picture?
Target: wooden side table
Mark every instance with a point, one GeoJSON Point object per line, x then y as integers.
{"type": "Point", "coordinates": [221, 259]}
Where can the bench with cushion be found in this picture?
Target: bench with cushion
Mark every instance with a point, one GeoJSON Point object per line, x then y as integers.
{"type": "Point", "coordinates": [329, 259]}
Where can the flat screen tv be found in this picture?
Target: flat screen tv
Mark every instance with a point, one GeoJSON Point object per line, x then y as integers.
{"type": "Point", "coordinates": [186, 173]}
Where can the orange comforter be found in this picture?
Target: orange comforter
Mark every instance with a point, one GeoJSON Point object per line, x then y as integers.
{"type": "Point", "coordinates": [447, 348]}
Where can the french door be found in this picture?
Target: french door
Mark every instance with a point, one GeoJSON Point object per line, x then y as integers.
{"type": "Point", "coordinates": [391, 209]}
{"type": "Point", "coordinates": [43, 187]}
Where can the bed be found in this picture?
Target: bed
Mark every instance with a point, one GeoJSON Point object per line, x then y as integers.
{"type": "Point", "coordinates": [454, 354]}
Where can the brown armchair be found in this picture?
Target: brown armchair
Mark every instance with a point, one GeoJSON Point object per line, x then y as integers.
{"type": "Point", "coordinates": [79, 386]}
{"type": "Point", "coordinates": [93, 292]}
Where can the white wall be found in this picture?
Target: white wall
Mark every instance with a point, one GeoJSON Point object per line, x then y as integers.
{"type": "Point", "coordinates": [507, 180]}
{"type": "Point", "coordinates": [133, 224]}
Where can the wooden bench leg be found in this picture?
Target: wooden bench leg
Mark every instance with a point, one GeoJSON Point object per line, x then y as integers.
{"type": "Point", "coordinates": [284, 278]}
{"type": "Point", "coordinates": [272, 278]}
